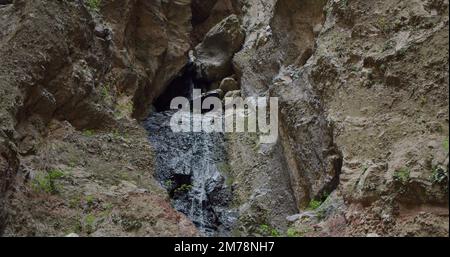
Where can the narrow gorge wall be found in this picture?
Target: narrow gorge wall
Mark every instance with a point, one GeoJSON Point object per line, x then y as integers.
{"type": "Point", "coordinates": [72, 76]}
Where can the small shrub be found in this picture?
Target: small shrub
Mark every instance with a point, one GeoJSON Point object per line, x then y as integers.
{"type": "Point", "coordinates": [90, 199]}
{"type": "Point", "coordinates": [74, 202]}
{"type": "Point", "coordinates": [108, 206]}
{"type": "Point", "coordinates": [183, 188]}
{"type": "Point", "coordinates": [438, 176]}
{"type": "Point", "coordinates": [47, 182]}
{"type": "Point", "coordinates": [343, 4]}
{"type": "Point", "coordinates": [314, 205]}
{"type": "Point", "coordinates": [93, 5]}
{"type": "Point", "coordinates": [88, 133]}
{"type": "Point", "coordinates": [116, 135]}
{"type": "Point", "coordinates": [321, 214]}
{"type": "Point", "coordinates": [130, 224]}
{"type": "Point", "coordinates": [445, 145]}
{"type": "Point", "coordinates": [89, 223]}
{"type": "Point", "coordinates": [104, 91]}
{"type": "Point", "coordinates": [267, 230]}
{"type": "Point", "coordinates": [123, 109]}
{"type": "Point", "coordinates": [168, 183]}
{"type": "Point", "coordinates": [291, 232]}
{"type": "Point", "coordinates": [383, 25]}
{"type": "Point", "coordinates": [402, 175]}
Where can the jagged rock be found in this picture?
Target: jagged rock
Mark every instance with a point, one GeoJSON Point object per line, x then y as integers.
{"type": "Point", "coordinates": [214, 54]}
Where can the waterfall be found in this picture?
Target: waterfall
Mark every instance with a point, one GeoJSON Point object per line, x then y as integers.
{"type": "Point", "coordinates": [190, 166]}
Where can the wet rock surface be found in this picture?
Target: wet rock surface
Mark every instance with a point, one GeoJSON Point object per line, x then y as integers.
{"type": "Point", "coordinates": [191, 167]}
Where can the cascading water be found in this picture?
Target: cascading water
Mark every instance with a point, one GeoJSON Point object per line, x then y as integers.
{"type": "Point", "coordinates": [192, 167]}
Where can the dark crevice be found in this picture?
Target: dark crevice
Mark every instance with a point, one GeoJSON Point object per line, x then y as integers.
{"type": "Point", "coordinates": [181, 86]}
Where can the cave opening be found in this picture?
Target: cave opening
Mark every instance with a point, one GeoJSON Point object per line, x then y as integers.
{"type": "Point", "coordinates": [182, 86]}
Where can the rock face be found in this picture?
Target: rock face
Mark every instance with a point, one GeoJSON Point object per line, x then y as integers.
{"type": "Point", "coordinates": [214, 54]}
{"type": "Point", "coordinates": [365, 68]}
{"type": "Point", "coordinates": [309, 158]}
{"type": "Point", "coordinates": [64, 67]}
{"type": "Point", "coordinates": [345, 83]}
{"type": "Point", "coordinates": [152, 39]}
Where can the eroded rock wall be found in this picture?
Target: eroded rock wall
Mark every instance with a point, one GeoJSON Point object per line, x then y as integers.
{"type": "Point", "coordinates": [363, 92]}
{"type": "Point", "coordinates": [72, 76]}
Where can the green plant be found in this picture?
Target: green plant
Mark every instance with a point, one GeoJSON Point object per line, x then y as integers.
{"type": "Point", "coordinates": [402, 175]}
{"type": "Point", "coordinates": [291, 232]}
{"type": "Point", "coordinates": [47, 182]}
{"type": "Point", "coordinates": [89, 222]}
{"type": "Point", "coordinates": [168, 183]}
{"type": "Point", "coordinates": [314, 205]}
{"type": "Point", "coordinates": [267, 230]}
{"type": "Point", "coordinates": [445, 145]}
{"type": "Point", "coordinates": [88, 133]}
{"type": "Point", "coordinates": [130, 224]}
{"type": "Point", "coordinates": [76, 227]}
{"type": "Point", "coordinates": [74, 202]}
{"type": "Point", "coordinates": [118, 135]}
{"type": "Point", "coordinates": [321, 214]}
{"type": "Point", "coordinates": [104, 91]}
{"type": "Point", "coordinates": [383, 25]}
{"type": "Point", "coordinates": [183, 188]}
{"type": "Point", "coordinates": [438, 175]}
{"type": "Point", "coordinates": [343, 4]}
{"type": "Point", "coordinates": [93, 5]}
{"type": "Point", "coordinates": [90, 199]}
{"type": "Point", "coordinates": [123, 109]}
{"type": "Point", "coordinates": [108, 206]}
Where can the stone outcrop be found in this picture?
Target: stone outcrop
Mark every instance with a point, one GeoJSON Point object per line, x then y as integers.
{"type": "Point", "coordinates": [213, 56]}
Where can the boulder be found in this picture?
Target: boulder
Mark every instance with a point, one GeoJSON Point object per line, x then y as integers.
{"type": "Point", "coordinates": [229, 84]}
{"type": "Point", "coordinates": [213, 56]}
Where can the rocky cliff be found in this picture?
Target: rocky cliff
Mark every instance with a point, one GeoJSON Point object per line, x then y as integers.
{"type": "Point", "coordinates": [363, 94]}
